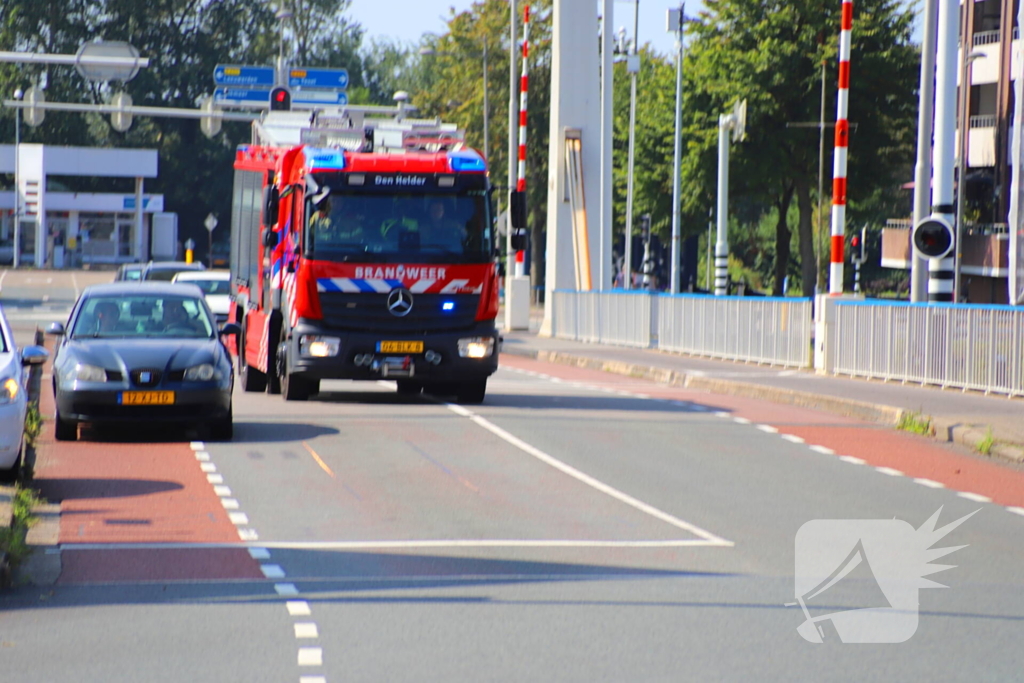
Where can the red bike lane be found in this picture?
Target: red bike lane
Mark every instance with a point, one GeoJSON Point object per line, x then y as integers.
{"type": "Point", "coordinates": [149, 494]}
{"type": "Point", "coordinates": [898, 453]}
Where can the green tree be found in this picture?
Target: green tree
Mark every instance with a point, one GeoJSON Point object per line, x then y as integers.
{"type": "Point", "coordinates": [770, 53]}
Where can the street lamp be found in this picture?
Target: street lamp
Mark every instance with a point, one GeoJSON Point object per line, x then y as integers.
{"type": "Point", "coordinates": [431, 52]}
{"type": "Point", "coordinates": [16, 251]}
{"type": "Point", "coordinates": [965, 124]}
{"type": "Point", "coordinates": [633, 67]}
{"type": "Point", "coordinates": [676, 18]}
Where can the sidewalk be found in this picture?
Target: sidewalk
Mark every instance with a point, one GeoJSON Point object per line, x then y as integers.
{"type": "Point", "coordinates": [956, 416]}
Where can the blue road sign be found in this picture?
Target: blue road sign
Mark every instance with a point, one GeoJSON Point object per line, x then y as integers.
{"type": "Point", "coordinates": [234, 74]}
{"type": "Point", "coordinates": [319, 97]}
{"type": "Point", "coordinates": [318, 78]}
{"type": "Point", "coordinates": [242, 96]}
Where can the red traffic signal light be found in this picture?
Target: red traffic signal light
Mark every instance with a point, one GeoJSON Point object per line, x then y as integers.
{"type": "Point", "coordinates": [855, 242]}
{"type": "Point", "coordinates": [933, 237]}
{"type": "Point", "coordinates": [280, 99]}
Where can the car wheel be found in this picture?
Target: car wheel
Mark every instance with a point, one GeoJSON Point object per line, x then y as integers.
{"type": "Point", "coordinates": [64, 430]}
{"type": "Point", "coordinates": [471, 392]}
{"type": "Point", "coordinates": [252, 380]}
{"type": "Point", "coordinates": [13, 473]}
{"type": "Point", "coordinates": [408, 387]}
{"type": "Point", "coordinates": [223, 430]}
{"type": "Point", "coordinates": [294, 388]}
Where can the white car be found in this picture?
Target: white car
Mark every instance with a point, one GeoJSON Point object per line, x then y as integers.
{"type": "Point", "coordinates": [216, 286]}
{"type": "Point", "coordinates": [13, 398]}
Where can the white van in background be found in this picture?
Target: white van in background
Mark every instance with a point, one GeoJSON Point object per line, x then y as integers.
{"type": "Point", "coordinates": [216, 286]}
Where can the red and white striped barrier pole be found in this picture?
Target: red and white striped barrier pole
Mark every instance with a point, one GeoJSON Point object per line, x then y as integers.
{"type": "Point", "coordinates": [520, 269]}
{"type": "Point", "coordinates": [835, 280]}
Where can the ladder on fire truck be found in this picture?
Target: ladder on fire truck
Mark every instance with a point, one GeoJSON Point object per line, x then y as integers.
{"type": "Point", "coordinates": [355, 128]}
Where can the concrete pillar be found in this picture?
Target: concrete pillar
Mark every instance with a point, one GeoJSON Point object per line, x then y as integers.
{"type": "Point", "coordinates": [575, 103]}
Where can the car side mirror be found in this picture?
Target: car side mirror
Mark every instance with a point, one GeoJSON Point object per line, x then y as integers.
{"type": "Point", "coordinates": [230, 329]}
{"type": "Point", "coordinates": [270, 239]}
{"type": "Point", "coordinates": [271, 198]}
{"type": "Point", "coordinates": [34, 355]}
{"type": "Point", "coordinates": [55, 329]}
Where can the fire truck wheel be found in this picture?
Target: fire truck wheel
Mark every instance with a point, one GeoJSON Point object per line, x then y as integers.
{"type": "Point", "coordinates": [471, 392]}
{"type": "Point", "coordinates": [252, 380]}
{"type": "Point", "coordinates": [408, 387]}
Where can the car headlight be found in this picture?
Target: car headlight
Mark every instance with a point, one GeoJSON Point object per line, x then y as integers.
{"type": "Point", "coordinates": [476, 347]}
{"type": "Point", "coordinates": [319, 347]}
{"type": "Point", "coordinates": [82, 372]}
{"type": "Point", "coordinates": [9, 391]}
{"type": "Point", "coordinates": [201, 373]}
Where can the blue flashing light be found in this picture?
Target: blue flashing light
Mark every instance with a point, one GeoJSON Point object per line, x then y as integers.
{"type": "Point", "coordinates": [448, 306]}
{"type": "Point", "coordinates": [321, 159]}
{"type": "Point", "coordinates": [466, 160]}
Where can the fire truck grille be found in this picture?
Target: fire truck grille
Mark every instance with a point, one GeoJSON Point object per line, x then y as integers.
{"type": "Point", "coordinates": [369, 312]}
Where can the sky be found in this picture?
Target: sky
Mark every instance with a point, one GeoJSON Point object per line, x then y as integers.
{"type": "Point", "coordinates": [407, 20]}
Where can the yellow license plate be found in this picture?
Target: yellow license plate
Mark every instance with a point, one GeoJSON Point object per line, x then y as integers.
{"type": "Point", "coordinates": [147, 398]}
{"type": "Point", "coordinates": [400, 347]}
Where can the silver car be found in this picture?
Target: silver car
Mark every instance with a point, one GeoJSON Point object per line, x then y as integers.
{"type": "Point", "coordinates": [13, 398]}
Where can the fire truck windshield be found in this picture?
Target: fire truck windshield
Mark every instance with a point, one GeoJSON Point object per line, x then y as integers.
{"type": "Point", "coordinates": [429, 228]}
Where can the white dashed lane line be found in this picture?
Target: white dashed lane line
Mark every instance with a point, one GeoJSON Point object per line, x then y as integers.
{"type": "Point", "coordinates": [889, 471]}
{"type": "Point", "coordinates": [930, 484]}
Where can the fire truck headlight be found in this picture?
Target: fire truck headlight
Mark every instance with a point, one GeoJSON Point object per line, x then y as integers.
{"type": "Point", "coordinates": [319, 347]}
{"type": "Point", "coordinates": [476, 347]}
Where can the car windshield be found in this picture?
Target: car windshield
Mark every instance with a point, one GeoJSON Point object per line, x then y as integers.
{"type": "Point", "coordinates": [161, 274]}
{"type": "Point", "coordinates": [210, 286]}
{"type": "Point", "coordinates": [143, 315]}
{"type": "Point", "coordinates": [411, 227]}
{"type": "Point", "coordinates": [132, 274]}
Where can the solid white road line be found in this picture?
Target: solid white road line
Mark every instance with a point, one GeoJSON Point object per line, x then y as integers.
{"type": "Point", "coordinates": [305, 629]}
{"type": "Point", "coordinates": [930, 484]}
{"type": "Point", "coordinates": [587, 479]}
{"type": "Point", "coordinates": [312, 679]}
{"type": "Point", "coordinates": [311, 656]}
{"type": "Point", "coordinates": [298, 608]}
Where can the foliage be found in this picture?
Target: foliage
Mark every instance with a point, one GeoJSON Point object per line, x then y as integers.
{"type": "Point", "coordinates": [33, 424]}
{"type": "Point", "coordinates": [985, 445]}
{"type": "Point", "coordinates": [12, 538]}
{"type": "Point", "coordinates": [915, 423]}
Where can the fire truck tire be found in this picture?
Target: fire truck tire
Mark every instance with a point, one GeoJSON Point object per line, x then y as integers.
{"type": "Point", "coordinates": [407, 387]}
{"type": "Point", "coordinates": [471, 392]}
{"type": "Point", "coordinates": [276, 365]}
{"type": "Point", "coordinates": [295, 388]}
{"type": "Point", "coordinates": [251, 379]}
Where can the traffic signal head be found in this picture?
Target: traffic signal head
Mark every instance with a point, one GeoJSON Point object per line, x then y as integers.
{"type": "Point", "coordinates": [280, 99]}
{"type": "Point", "coordinates": [933, 237]}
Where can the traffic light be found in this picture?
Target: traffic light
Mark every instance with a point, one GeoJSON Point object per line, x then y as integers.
{"type": "Point", "coordinates": [280, 99]}
{"type": "Point", "coordinates": [645, 227]}
{"type": "Point", "coordinates": [933, 237]}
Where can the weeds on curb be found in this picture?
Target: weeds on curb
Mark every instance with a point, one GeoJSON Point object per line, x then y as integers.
{"type": "Point", "coordinates": [915, 423]}
{"type": "Point", "coordinates": [33, 423]}
{"type": "Point", "coordinates": [985, 445]}
{"type": "Point", "coordinates": [12, 539]}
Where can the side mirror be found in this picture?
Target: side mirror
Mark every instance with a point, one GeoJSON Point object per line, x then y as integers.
{"type": "Point", "coordinates": [271, 198]}
{"type": "Point", "coordinates": [230, 329]}
{"type": "Point", "coordinates": [517, 209]}
{"type": "Point", "coordinates": [34, 355]}
{"type": "Point", "coordinates": [270, 239]}
{"type": "Point", "coordinates": [55, 329]}
{"type": "Point", "coordinates": [520, 239]}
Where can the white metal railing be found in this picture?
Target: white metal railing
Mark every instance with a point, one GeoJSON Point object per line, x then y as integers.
{"type": "Point", "coordinates": [983, 121]}
{"type": "Point", "coordinates": [619, 318]}
{"type": "Point", "coordinates": [776, 331]}
{"type": "Point", "coordinates": [968, 347]}
{"type": "Point", "coordinates": [986, 37]}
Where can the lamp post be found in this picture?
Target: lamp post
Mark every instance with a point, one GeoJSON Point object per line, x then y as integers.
{"type": "Point", "coordinates": [431, 52]}
{"type": "Point", "coordinates": [18, 94]}
{"type": "Point", "coordinates": [961, 165]}
{"type": "Point", "coordinates": [676, 17]}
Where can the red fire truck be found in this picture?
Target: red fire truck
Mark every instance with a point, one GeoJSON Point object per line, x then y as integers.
{"type": "Point", "coordinates": [363, 248]}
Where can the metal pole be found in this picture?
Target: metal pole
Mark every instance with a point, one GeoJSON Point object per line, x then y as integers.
{"type": "Point", "coordinates": [677, 156]}
{"type": "Point", "coordinates": [835, 276]}
{"type": "Point", "coordinates": [607, 49]}
{"type": "Point", "coordinates": [819, 280]}
{"type": "Point", "coordinates": [17, 187]}
{"type": "Point", "coordinates": [513, 119]}
{"type": "Point", "coordinates": [940, 271]}
{"type": "Point", "coordinates": [707, 273]}
{"type": "Point", "coordinates": [722, 245]}
{"type": "Point", "coordinates": [961, 165]}
{"type": "Point", "coordinates": [627, 269]}
{"type": "Point", "coordinates": [487, 127]}
{"type": "Point", "coordinates": [923, 168]}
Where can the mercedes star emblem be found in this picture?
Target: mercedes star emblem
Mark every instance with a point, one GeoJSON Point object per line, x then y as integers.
{"type": "Point", "coordinates": [400, 302]}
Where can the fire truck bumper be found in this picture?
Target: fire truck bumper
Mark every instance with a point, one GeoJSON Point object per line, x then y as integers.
{"type": "Point", "coordinates": [315, 352]}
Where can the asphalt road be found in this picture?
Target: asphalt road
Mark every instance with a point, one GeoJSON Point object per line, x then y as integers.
{"type": "Point", "coordinates": [578, 526]}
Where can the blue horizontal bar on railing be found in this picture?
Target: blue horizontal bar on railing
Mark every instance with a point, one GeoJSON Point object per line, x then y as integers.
{"type": "Point", "coordinates": [956, 307]}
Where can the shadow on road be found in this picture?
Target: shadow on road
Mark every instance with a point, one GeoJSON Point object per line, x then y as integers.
{"type": "Point", "coordinates": [69, 489]}
{"type": "Point", "coordinates": [278, 432]}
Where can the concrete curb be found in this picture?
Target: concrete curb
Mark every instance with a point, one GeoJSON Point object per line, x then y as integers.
{"type": "Point", "coordinates": [6, 519]}
{"type": "Point", "coordinates": [943, 430]}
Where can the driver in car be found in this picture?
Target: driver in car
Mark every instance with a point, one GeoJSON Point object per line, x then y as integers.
{"type": "Point", "coordinates": [176, 318]}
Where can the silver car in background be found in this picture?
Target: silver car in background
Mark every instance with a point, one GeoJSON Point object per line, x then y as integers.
{"type": "Point", "coordinates": [13, 398]}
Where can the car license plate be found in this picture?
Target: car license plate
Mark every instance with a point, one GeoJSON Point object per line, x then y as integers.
{"type": "Point", "coordinates": [146, 398]}
{"type": "Point", "coordinates": [400, 347]}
